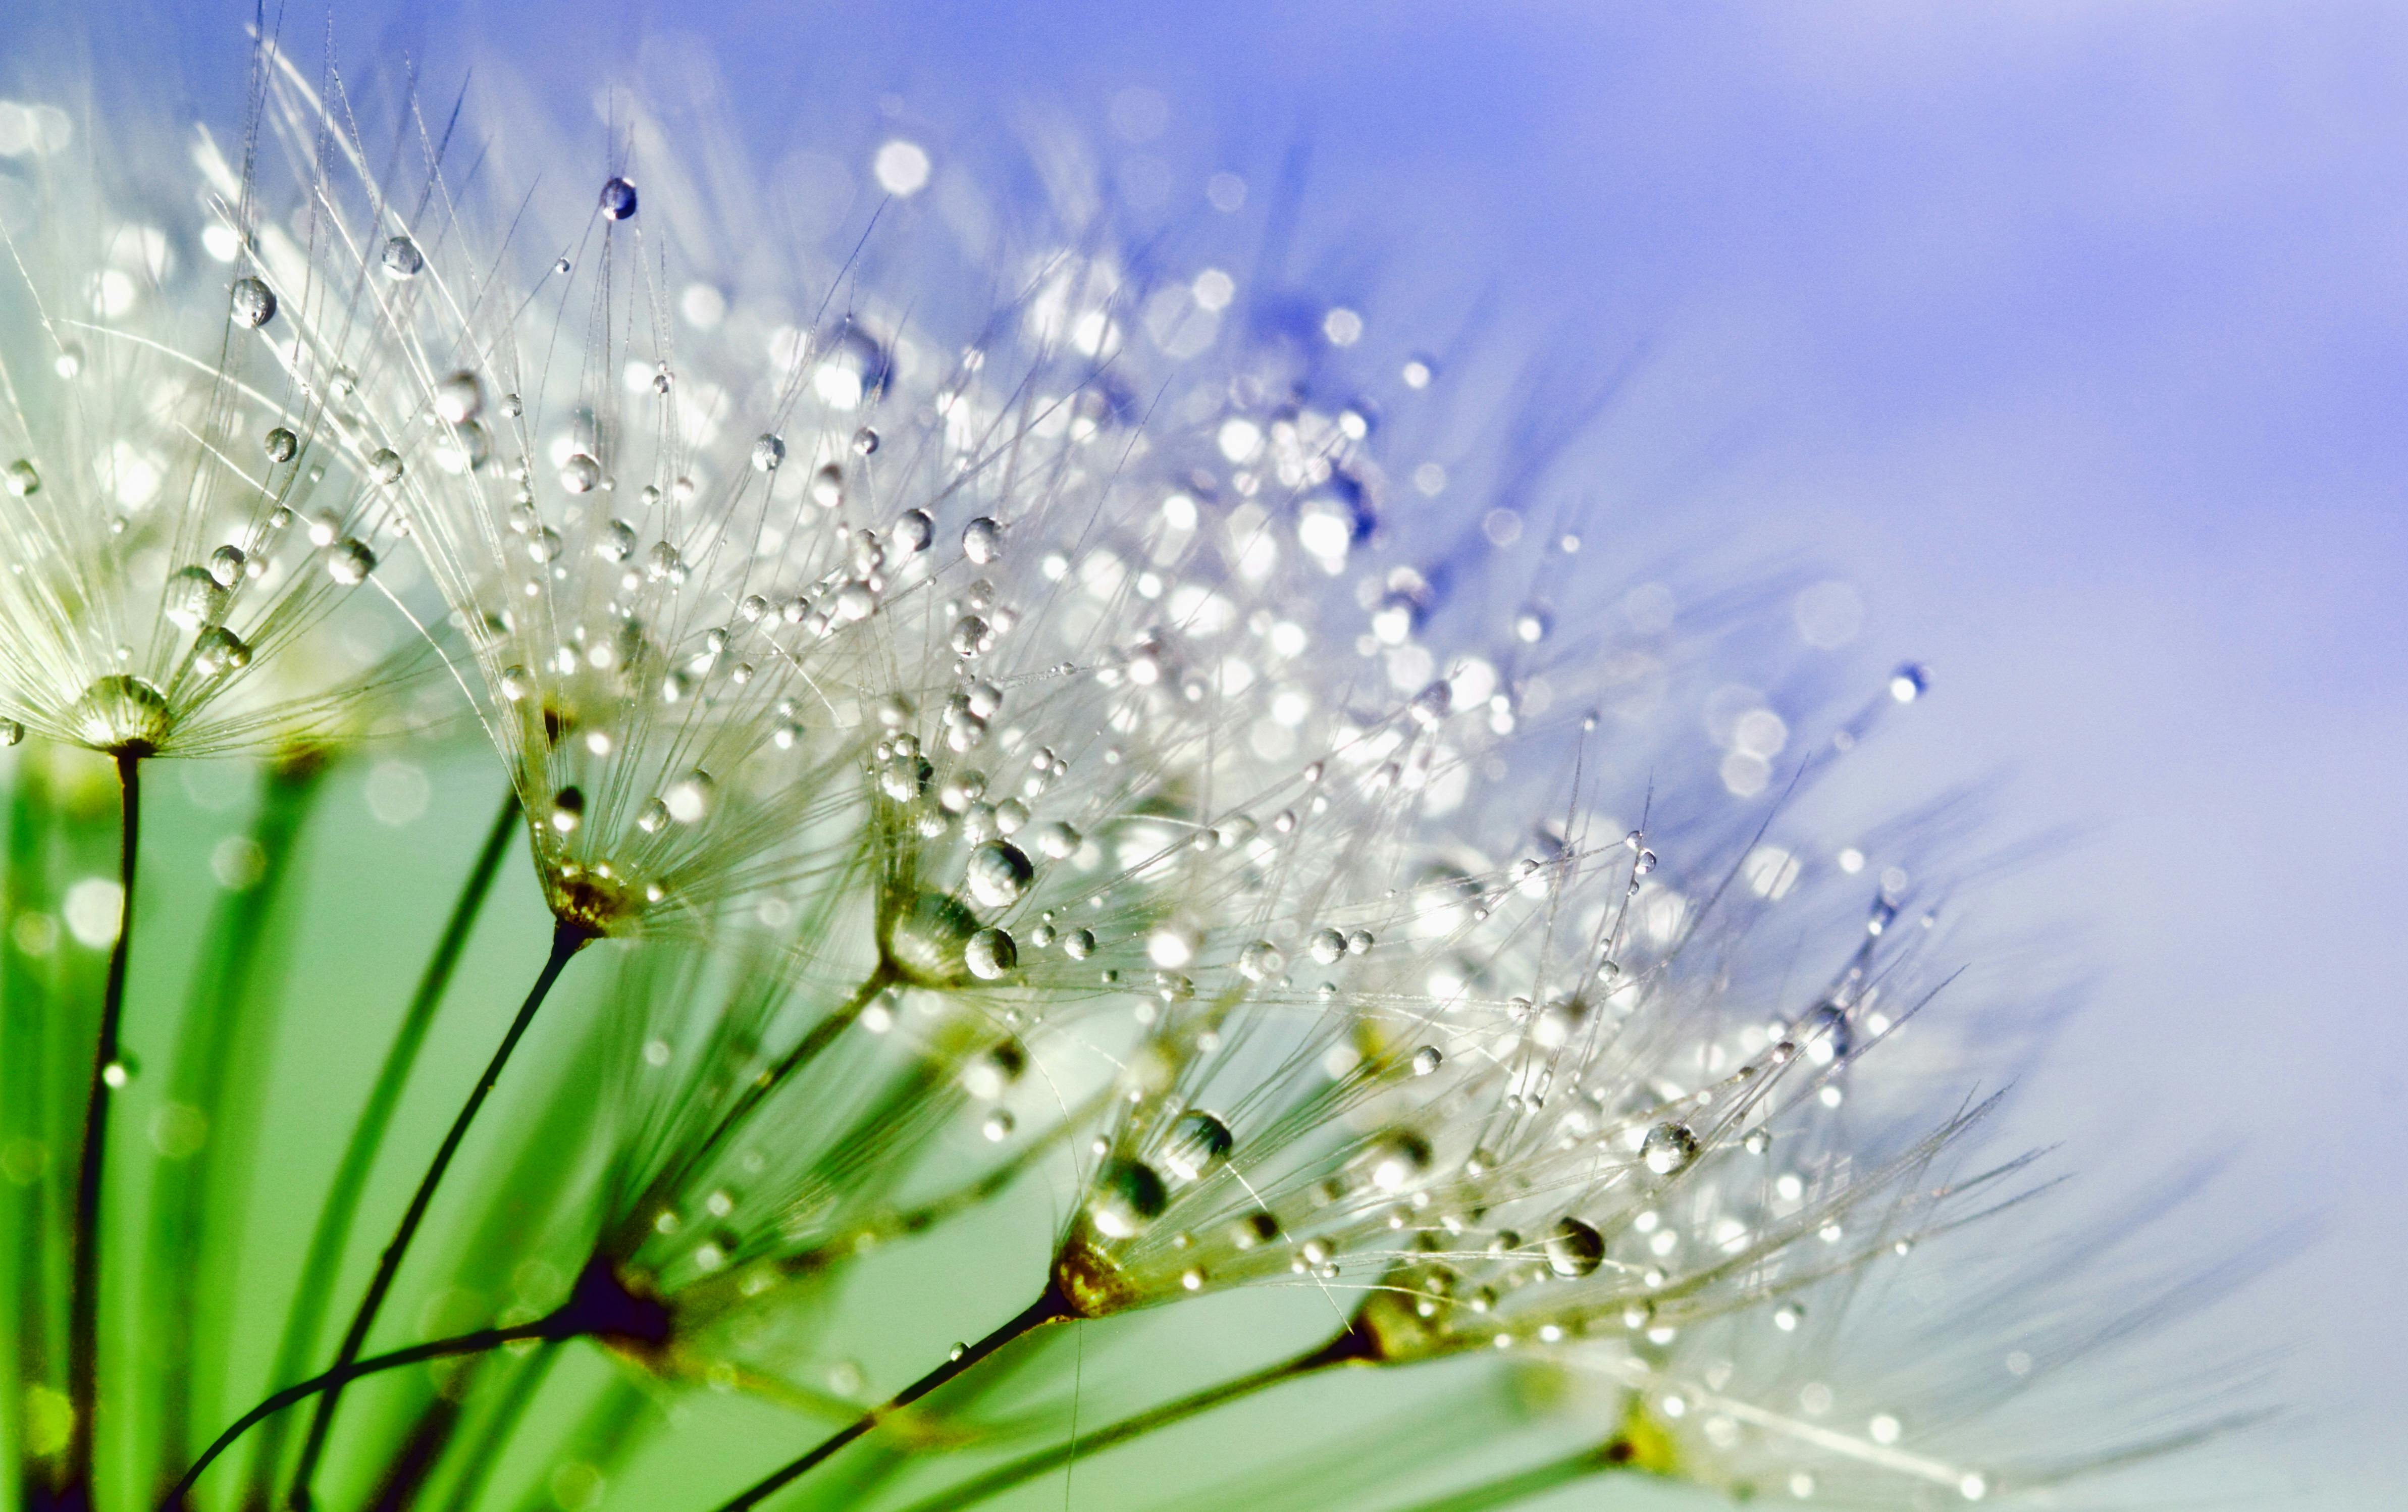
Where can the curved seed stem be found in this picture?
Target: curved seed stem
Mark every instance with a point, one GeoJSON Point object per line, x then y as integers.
{"type": "Point", "coordinates": [464, 1344]}
{"type": "Point", "coordinates": [327, 1241]}
{"type": "Point", "coordinates": [1050, 1307]}
{"type": "Point", "coordinates": [1343, 1350]}
{"type": "Point", "coordinates": [566, 939]}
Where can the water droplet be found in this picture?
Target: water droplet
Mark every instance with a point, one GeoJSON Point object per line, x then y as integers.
{"type": "Point", "coordinates": [516, 684]}
{"type": "Point", "coordinates": [11, 732]}
{"type": "Point", "coordinates": [23, 481]}
{"type": "Point", "coordinates": [384, 466]}
{"type": "Point", "coordinates": [855, 602]}
{"type": "Point", "coordinates": [999, 874]}
{"type": "Point", "coordinates": [864, 441]}
{"type": "Point", "coordinates": [767, 452]}
{"type": "Point", "coordinates": [913, 531]}
{"type": "Point", "coordinates": [1910, 681]}
{"type": "Point", "coordinates": [1398, 1160]}
{"type": "Point", "coordinates": [688, 799]}
{"type": "Point", "coordinates": [225, 565]}
{"type": "Point", "coordinates": [1079, 944]}
{"type": "Point", "coordinates": [219, 650]}
{"type": "Point", "coordinates": [827, 487]}
{"type": "Point", "coordinates": [567, 810]}
{"type": "Point", "coordinates": [983, 541]}
{"type": "Point", "coordinates": [254, 303]}
{"type": "Point", "coordinates": [1197, 1147]}
{"type": "Point", "coordinates": [1261, 961]}
{"type": "Point", "coordinates": [1128, 1196]}
{"type": "Point", "coordinates": [349, 561]}
{"type": "Point", "coordinates": [991, 1075]}
{"type": "Point", "coordinates": [402, 259]}
{"type": "Point", "coordinates": [1432, 704]}
{"type": "Point", "coordinates": [1058, 840]}
{"type": "Point", "coordinates": [580, 473]}
{"type": "Point", "coordinates": [990, 953]}
{"type": "Point", "coordinates": [195, 597]}
{"type": "Point", "coordinates": [1827, 1034]}
{"type": "Point", "coordinates": [459, 397]}
{"type": "Point", "coordinates": [1426, 1060]}
{"type": "Point", "coordinates": [618, 200]}
{"type": "Point", "coordinates": [283, 445]}
{"type": "Point", "coordinates": [1668, 1149]}
{"type": "Point", "coordinates": [999, 1126]}
{"type": "Point", "coordinates": [1327, 945]}
{"type": "Point", "coordinates": [1574, 1249]}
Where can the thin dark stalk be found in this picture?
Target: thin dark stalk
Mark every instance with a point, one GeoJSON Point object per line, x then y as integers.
{"type": "Point", "coordinates": [566, 940]}
{"type": "Point", "coordinates": [464, 1343]}
{"type": "Point", "coordinates": [332, 1233]}
{"type": "Point", "coordinates": [1343, 1350]}
{"type": "Point", "coordinates": [83, 1294]}
{"type": "Point", "coordinates": [1050, 1307]}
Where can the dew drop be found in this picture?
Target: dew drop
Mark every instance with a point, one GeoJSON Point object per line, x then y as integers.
{"type": "Point", "coordinates": [516, 684]}
{"type": "Point", "coordinates": [1398, 1160]}
{"type": "Point", "coordinates": [21, 480]}
{"type": "Point", "coordinates": [219, 650]}
{"type": "Point", "coordinates": [998, 1127]}
{"type": "Point", "coordinates": [855, 602]}
{"type": "Point", "coordinates": [580, 473]}
{"type": "Point", "coordinates": [1432, 704]}
{"type": "Point", "coordinates": [1261, 961]}
{"type": "Point", "coordinates": [990, 955]}
{"type": "Point", "coordinates": [983, 541]}
{"type": "Point", "coordinates": [402, 259]}
{"type": "Point", "coordinates": [827, 487]}
{"type": "Point", "coordinates": [913, 531]}
{"type": "Point", "coordinates": [1197, 1146]}
{"type": "Point", "coordinates": [1058, 840]}
{"type": "Point", "coordinates": [283, 445]}
{"type": "Point", "coordinates": [567, 810]}
{"type": "Point", "coordinates": [1668, 1149]}
{"type": "Point", "coordinates": [618, 200]}
{"type": "Point", "coordinates": [349, 561]}
{"type": "Point", "coordinates": [999, 872]}
{"type": "Point", "coordinates": [254, 303]}
{"type": "Point", "coordinates": [384, 466]}
{"type": "Point", "coordinates": [1128, 1196]}
{"type": "Point", "coordinates": [195, 597]}
{"type": "Point", "coordinates": [991, 1075]}
{"type": "Point", "coordinates": [1574, 1249]}
{"type": "Point", "coordinates": [1327, 945]}
{"type": "Point", "coordinates": [1079, 944]}
{"type": "Point", "coordinates": [767, 452]}
{"type": "Point", "coordinates": [864, 441]}
{"type": "Point", "coordinates": [1910, 681]}
{"type": "Point", "coordinates": [11, 732]}
{"type": "Point", "coordinates": [689, 799]}
{"type": "Point", "coordinates": [459, 397]}
{"type": "Point", "coordinates": [1426, 1060]}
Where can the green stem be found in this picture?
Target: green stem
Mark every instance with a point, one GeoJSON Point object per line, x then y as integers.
{"type": "Point", "coordinates": [1346, 1349]}
{"type": "Point", "coordinates": [1050, 1308]}
{"type": "Point", "coordinates": [566, 940]}
{"type": "Point", "coordinates": [226, 1010]}
{"type": "Point", "coordinates": [340, 1375]}
{"type": "Point", "coordinates": [327, 1241]}
{"type": "Point", "coordinates": [83, 1294]}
